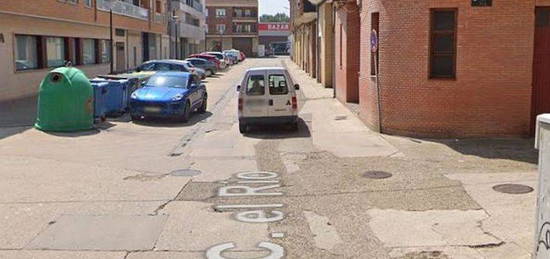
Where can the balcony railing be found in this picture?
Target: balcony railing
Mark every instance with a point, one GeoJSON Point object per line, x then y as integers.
{"type": "Point", "coordinates": [123, 8]}
{"type": "Point", "coordinates": [195, 4]}
{"type": "Point", "coordinates": [160, 18]}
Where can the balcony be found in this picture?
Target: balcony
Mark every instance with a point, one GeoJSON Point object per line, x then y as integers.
{"type": "Point", "coordinates": [123, 8]}
{"type": "Point", "coordinates": [160, 18]}
{"type": "Point", "coordinates": [190, 31]}
{"type": "Point", "coordinates": [195, 4]}
{"type": "Point", "coordinates": [193, 7]}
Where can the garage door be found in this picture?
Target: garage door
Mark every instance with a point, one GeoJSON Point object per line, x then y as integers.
{"type": "Point", "coordinates": [244, 45]}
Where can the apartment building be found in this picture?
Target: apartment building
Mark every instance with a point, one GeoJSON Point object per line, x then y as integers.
{"type": "Point", "coordinates": [37, 36]}
{"type": "Point", "coordinates": [232, 24]}
{"type": "Point", "coordinates": [187, 27]}
{"type": "Point", "coordinates": [442, 68]}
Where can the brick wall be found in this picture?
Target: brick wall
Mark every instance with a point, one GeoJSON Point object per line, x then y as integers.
{"type": "Point", "coordinates": [491, 95]}
{"type": "Point", "coordinates": [79, 12]}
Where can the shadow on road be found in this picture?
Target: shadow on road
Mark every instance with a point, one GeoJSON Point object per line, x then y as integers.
{"type": "Point", "coordinates": [171, 123]}
{"type": "Point", "coordinates": [279, 131]}
{"type": "Point", "coordinates": [17, 116]}
{"type": "Point", "coordinates": [517, 149]}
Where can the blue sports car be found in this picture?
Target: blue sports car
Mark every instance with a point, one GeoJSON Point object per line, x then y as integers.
{"type": "Point", "coordinates": [169, 95]}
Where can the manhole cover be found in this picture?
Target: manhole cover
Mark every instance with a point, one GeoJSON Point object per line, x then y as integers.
{"type": "Point", "coordinates": [513, 188]}
{"type": "Point", "coordinates": [377, 174]}
{"type": "Point", "coordinates": [185, 172]}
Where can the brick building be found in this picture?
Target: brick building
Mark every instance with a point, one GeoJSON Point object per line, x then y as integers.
{"type": "Point", "coordinates": [36, 37]}
{"type": "Point", "coordinates": [447, 67]}
{"type": "Point", "coordinates": [232, 24]}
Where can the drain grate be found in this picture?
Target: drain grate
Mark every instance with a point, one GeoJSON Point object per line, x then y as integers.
{"type": "Point", "coordinates": [513, 188]}
{"type": "Point", "coordinates": [377, 175]}
{"type": "Point", "coordinates": [185, 172]}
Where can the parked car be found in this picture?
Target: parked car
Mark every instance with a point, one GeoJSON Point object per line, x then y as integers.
{"type": "Point", "coordinates": [169, 95]}
{"type": "Point", "coordinates": [267, 95]}
{"type": "Point", "coordinates": [221, 57]}
{"type": "Point", "coordinates": [209, 58]}
{"type": "Point", "coordinates": [233, 55]}
{"type": "Point", "coordinates": [195, 70]}
{"type": "Point", "coordinates": [167, 65]}
{"type": "Point", "coordinates": [208, 66]}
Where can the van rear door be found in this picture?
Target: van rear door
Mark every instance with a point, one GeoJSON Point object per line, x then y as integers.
{"type": "Point", "coordinates": [253, 95]}
{"type": "Point", "coordinates": [279, 94]}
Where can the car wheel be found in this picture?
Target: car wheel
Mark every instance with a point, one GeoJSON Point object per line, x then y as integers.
{"type": "Point", "coordinates": [204, 104]}
{"type": "Point", "coordinates": [186, 112]}
{"type": "Point", "coordinates": [243, 128]}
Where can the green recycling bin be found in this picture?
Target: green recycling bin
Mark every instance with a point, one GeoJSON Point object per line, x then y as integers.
{"type": "Point", "coordinates": [65, 101]}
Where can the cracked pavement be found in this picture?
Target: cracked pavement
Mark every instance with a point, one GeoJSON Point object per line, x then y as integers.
{"type": "Point", "coordinates": [112, 193]}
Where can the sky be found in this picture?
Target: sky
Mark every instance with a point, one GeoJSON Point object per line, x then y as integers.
{"type": "Point", "coordinates": [274, 6]}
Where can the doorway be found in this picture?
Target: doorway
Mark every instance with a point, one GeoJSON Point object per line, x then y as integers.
{"type": "Point", "coordinates": [541, 63]}
{"type": "Point", "coordinates": [120, 57]}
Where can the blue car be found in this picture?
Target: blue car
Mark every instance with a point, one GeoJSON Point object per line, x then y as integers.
{"type": "Point", "coordinates": [169, 95]}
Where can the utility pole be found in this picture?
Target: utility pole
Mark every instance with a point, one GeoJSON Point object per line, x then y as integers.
{"type": "Point", "coordinates": [111, 38]}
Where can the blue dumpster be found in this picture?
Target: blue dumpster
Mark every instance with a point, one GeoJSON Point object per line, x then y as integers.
{"type": "Point", "coordinates": [120, 88]}
{"type": "Point", "coordinates": [114, 99]}
{"type": "Point", "coordinates": [100, 99]}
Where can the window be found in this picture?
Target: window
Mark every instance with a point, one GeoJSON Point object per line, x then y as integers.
{"type": "Point", "coordinates": [55, 51]}
{"type": "Point", "coordinates": [88, 51]}
{"type": "Point", "coordinates": [542, 17]}
{"type": "Point", "coordinates": [158, 7]}
{"type": "Point", "coordinates": [374, 59]}
{"type": "Point", "coordinates": [247, 13]}
{"type": "Point", "coordinates": [105, 47]}
{"type": "Point", "coordinates": [255, 85]}
{"type": "Point", "coordinates": [278, 85]}
{"type": "Point", "coordinates": [220, 28]}
{"type": "Point", "coordinates": [27, 52]}
{"type": "Point", "coordinates": [220, 12]}
{"type": "Point", "coordinates": [443, 43]}
{"type": "Point", "coordinates": [163, 67]}
{"type": "Point", "coordinates": [88, 3]}
{"type": "Point", "coordinates": [238, 12]}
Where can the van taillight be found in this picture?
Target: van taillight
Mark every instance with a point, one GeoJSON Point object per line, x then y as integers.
{"type": "Point", "coordinates": [294, 103]}
{"type": "Point", "coordinates": [240, 104]}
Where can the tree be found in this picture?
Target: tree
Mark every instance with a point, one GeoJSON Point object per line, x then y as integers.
{"type": "Point", "coordinates": [279, 17]}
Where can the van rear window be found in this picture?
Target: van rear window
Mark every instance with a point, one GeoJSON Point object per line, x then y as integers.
{"type": "Point", "coordinates": [278, 85]}
{"type": "Point", "coordinates": [255, 85]}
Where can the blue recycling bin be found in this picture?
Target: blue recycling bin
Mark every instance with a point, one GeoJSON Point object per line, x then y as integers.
{"type": "Point", "coordinates": [114, 103]}
{"type": "Point", "coordinates": [100, 99]}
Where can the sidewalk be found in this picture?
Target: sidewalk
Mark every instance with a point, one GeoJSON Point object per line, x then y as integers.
{"type": "Point", "coordinates": [441, 201]}
{"type": "Point", "coordinates": [331, 120]}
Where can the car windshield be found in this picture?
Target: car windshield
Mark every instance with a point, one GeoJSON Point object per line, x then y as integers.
{"type": "Point", "coordinates": [167, 81]}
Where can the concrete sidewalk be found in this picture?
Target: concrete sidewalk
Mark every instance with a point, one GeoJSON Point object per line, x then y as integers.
{"type": "Point", "coordinates": [440, 201]}
{"type": "Point", "coordinates": [330, 120]}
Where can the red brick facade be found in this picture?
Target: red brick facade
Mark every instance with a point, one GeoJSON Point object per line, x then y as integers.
{"type": "Point", "coordinates": [492, 92]}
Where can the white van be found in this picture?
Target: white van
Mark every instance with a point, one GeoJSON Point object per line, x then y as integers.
{"type": "Point", "coordinates": [267, 95]}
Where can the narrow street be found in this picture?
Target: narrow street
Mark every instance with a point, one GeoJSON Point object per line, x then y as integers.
{"type": "Point", "coordinates": [333, 189]}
